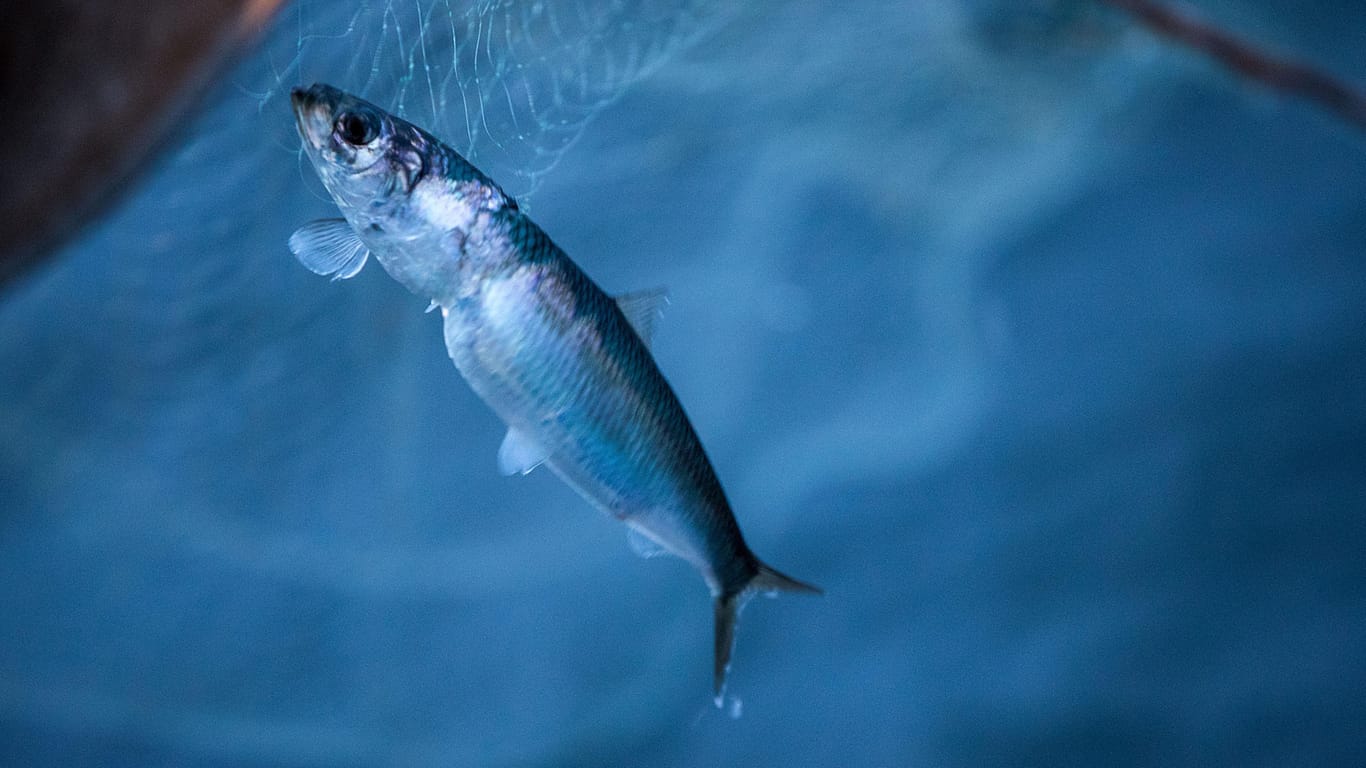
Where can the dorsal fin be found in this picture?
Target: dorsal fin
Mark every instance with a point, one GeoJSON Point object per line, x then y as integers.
{"type": "Point", "coordinates": [329, 247]}
{"type": "Point", "coordinates": [643, 309]}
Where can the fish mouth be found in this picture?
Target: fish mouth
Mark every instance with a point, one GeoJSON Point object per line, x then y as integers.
{"type": "Point", "coordinates": [300, 99]}
{"type": "Point", "coordinates": [314, 95]}
{"type": "Point", "coordinates": [313, 108]}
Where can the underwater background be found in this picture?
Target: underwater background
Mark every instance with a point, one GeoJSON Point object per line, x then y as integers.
{"type": "Point", "coordinates": [1038, 342]}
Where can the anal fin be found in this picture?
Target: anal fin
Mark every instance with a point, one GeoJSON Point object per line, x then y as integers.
{"type": "Point", "coordinates": [642, 544]}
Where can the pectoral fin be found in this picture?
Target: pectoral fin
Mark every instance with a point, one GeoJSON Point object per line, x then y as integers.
{"type": "Point", "coordinates": [329, 247]}
{"type": "Point", "coordinates": [519, 454]}
{"type": "Point", "coordinates": [643, 309]}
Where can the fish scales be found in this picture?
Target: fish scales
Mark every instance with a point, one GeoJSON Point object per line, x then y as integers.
{"type": "Point", "coordinates": [583, 385]}
{"type": "Point", "coordinates": [554, 356]}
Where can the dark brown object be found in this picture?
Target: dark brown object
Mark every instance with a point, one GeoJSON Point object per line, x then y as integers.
{"type": "Point", "coordinates": [1250, 61]}
{"type": "Point", "coordinates": [89, 88]}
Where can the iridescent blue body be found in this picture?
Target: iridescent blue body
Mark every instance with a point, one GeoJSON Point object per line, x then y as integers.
{"type": "Point", "coordinates": [551, 353]}
{"type": "Point", "coordinates": [554, 356]}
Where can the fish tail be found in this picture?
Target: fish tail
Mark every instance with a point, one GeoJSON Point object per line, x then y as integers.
{"type": "Point", "coordinates": [765, 581]}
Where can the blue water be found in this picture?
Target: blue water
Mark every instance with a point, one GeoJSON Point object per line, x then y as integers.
{"type": "Point", "coordinates": [1039, 344]}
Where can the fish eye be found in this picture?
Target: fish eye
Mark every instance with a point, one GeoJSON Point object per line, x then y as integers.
{"type": "Point", "coordinates": [356, 129]}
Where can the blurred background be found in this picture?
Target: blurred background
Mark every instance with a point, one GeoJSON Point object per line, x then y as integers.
{"type": "Point", "coordinates": [1036, 340]}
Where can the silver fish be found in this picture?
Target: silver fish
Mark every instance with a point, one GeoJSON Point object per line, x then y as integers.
{"type": "Point", "coordinates": [566, 366]}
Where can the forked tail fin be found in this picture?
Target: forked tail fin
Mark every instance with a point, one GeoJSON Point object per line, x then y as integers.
{"type": "Point", "coordinates": [767, 581]}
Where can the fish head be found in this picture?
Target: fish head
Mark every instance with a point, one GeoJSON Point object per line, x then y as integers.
{"type": "Point", "coordinates": [368, 159]}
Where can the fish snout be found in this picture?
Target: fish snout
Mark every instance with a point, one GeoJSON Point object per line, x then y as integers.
{"type": "Point", "coordinates": [300, 98]}
{"type": "Point", "coordinates": [316, 96]}
{"type": "Point", "coordinates": [313, 112]}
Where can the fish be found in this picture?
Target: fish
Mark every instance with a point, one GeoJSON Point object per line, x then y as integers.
{"type": "Point", "coordinates": [566, 366]}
